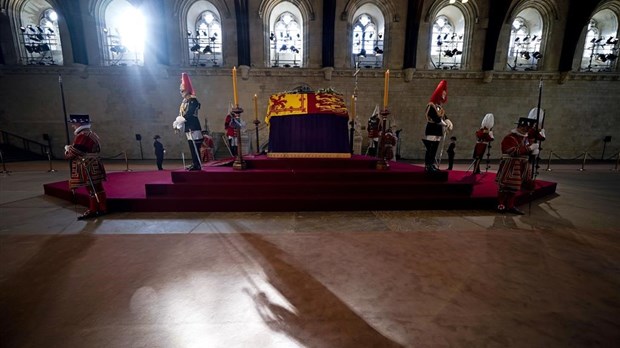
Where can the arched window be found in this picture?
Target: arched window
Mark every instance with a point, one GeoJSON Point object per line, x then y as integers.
{"type": "Point", "coordinates": [367, 44]}
{"type": "Point", "coordinates": [286, 37]}
{"type": "Point", "coordinates": [39, 35]}
{"type": "Point", "coordinates": [524, 53]}
{"type": "Point", "coordinates": [204, 35]}
{"type": "Point", "coordinates": [124, 33]}
{"type": "Point", "coordinates": [447, 38]}
{"type": "Point", "coordinates": [600, 52]}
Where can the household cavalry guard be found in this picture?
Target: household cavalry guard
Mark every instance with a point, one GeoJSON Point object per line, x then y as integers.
{"type": "Point", "coordinates": [188, 120]}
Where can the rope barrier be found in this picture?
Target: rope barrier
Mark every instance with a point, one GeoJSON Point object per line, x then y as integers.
{"type": "Point", "coordinates": [612, 156]}
{"type": "Point", "coordinates": [551, 153]}
{"type": "Point", "coordinates": [567, 159]}
{"type": "Point", "coordinates": [122, 153]}
{"type": "Point", "coordinates": [584, 156]}
{"type": "Point", "coordinates": [113, 157]}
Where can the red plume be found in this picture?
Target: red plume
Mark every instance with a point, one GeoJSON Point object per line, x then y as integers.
{"type": "Point", "coordinates": [186, 84]}
{"type": "Point", "coordinates": [437, 98]}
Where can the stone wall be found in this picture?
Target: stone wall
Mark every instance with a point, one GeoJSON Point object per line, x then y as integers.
{"type": "Point", "coordinates": [582, 108]}
{"type": "Point", "coordinates": [124, 101]}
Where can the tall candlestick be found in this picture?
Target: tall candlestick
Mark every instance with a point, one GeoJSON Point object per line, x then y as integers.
{"type": "Point", "coordinates": [234, 72]}
{"type": "Point", "coordinates": [352, 107]}
{"type": "Point", "coordinates": [255, 107]}
{"type": "Point", "coordinates": [385, 89]}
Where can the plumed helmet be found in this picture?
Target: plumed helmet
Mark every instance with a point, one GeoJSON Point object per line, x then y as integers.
{"type": "Point", "coordinates": [79, 118]}
{"type": "Point", "coordinates": [437, 96]}
{"type": "Point", "coordinates": [534, 114]}
{"type": "Point", "coordinates": [186, 84]}
{"type": "Point", "coordinates": [488, 121]}
{"type": "Point", "coordinates": [375, 111]}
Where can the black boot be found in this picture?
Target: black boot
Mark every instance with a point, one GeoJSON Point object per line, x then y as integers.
{"type": "Point", "coordinates": [431, 168]}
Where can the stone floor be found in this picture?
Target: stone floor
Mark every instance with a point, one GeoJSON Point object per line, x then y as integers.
{"type": "Point", "coordinates": [466, 278]}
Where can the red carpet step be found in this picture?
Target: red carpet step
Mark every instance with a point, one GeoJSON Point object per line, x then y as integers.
{"type": "Point", "coordinates": [269, 184]}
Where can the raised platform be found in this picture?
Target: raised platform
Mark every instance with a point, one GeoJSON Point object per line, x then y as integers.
{"type": "Point", "coordinates": [296, 184]}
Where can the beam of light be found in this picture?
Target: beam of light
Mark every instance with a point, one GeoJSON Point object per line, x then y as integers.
{"type": "Point", "coordinates": [132, 29]}
{"type": "Point", "coordinates": [53, 16]}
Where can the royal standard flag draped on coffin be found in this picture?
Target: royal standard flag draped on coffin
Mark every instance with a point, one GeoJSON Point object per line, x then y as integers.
{"type": "Point", "coordinates": [306, 103]}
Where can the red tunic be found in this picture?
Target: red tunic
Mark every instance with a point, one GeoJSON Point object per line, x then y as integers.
{"type": "Point", "coordinates": [483, 134]}
{"type": "Point", "coordinates": [230, 129]}
{"type": "Point", "coordinates": [374, 127]}
{"type": "Point", "coordinates": [389, 141]}
{"type": "Point", "coordinates": [206, 149]}
{"type": "Point", "coordinates": [483, 139]}
{"type": "Point", "coordinates": [513, 167]}
{"type": "Point", "coordinates": [84, 153]}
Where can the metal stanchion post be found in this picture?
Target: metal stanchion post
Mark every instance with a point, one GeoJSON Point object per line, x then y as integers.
{"type": "Point", "coordinates": [4, 171]}
{"type": "Point", "coordinates": [183, 158]}
{"type": "Point", "coordinates": [617, 160]}
{"type": "Point", "coordinates": [49, 159]}
{"type": "Point", "coordinates": [583, 164]}
{"type": "Point", "coordinates": [126, 162]}
{"type": "Point", "coordinates": [549, 162]}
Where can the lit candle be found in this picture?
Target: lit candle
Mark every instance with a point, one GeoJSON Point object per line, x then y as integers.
{"type": "Point", "coordinates": [352, 107]}
{"type": "Point", "coordinates": [234, 72]}
{"type": "Point", "coordinates": [385, 89]}
{"type": "Point", "coordinates": [255, 107]}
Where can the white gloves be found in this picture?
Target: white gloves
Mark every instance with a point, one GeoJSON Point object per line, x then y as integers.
{"type": "Point", "coordinates": [448, 125]}
{"type": "Point", "coordinates": [534, 147]}
{"type": "Point", "coordinates": [491, 134]}
{"type": "Point", "coordinates": [178, 122]}
{"type": "Point", "coordinates": [67, 147]}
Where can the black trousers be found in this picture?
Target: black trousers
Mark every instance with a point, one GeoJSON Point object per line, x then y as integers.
{"type": "Point", "coordinates": [233, 148]}
{"type": "Point", "coordinates": [194, 146]}
{"type": "Point", "coordinates": [450, 160]}
{"type": "Point", "coordinates": [431, 151]}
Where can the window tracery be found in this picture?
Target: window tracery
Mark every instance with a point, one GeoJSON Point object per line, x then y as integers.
{"type": "Point", "coordinates": [39, 37]}
{"type": "Point", "coordinates": [524, 51]}
{"type": "Point", "coordinates": [124, 32]}
{"type": "Point", "coordinates": [205, 40]}
{"type": "Point", "coordinates": [446, 44]}
{"type": "Point", "coordinates": [367, 46]}
{"type": "Point", "coordinates": [286, 40]}
{"type": "Point", "coordinates": [600, 52]}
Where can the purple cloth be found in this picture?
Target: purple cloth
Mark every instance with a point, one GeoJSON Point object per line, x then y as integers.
{"type": "Point", "coordinates": [320, 133]}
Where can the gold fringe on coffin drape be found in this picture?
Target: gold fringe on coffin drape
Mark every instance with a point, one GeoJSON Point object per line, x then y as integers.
{"type": "Point", "coordinates": [307, 155]}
